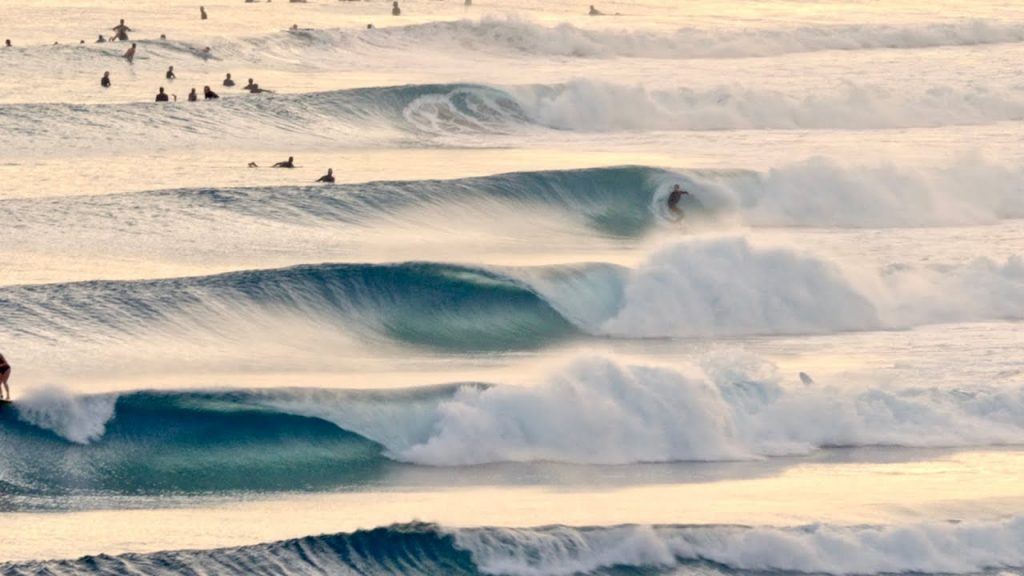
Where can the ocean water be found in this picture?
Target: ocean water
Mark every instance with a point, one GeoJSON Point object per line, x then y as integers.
{"type": "Point", "coordinates": [488, 348]}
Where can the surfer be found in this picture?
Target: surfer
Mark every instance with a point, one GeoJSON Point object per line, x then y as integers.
{"type": "Point", "coordinates": [161, 96]}
{"type": "Point", "coordinates": [101, 40]}
{"type": "Point", "coordinates": [192, 96]}
{"type": "Point", "coordinates": [170, 73]}
{"type": "Point", "coordinates": [595, 11]}
{"type": "Point", "coordinates": [289, 163]}
{"type": "Point", "coordinates": [395, 10]}
{"type": "Point", "coordinates": [209, 94]}
{"type": "Point", "coordinates": [121, 31]}
{"type": "Point", "coordinates": [105, 81]}
{"type": "Point", "coordinates": [673, 201]}
{"type": "Point", "coordinates": [7, 43]}
{"type": "Point", "coordinates": [228, 81]}
{"type": "Point", "coordinates": [328, 178]}
{"type": "Point", "coordinates": [5, 373]}
{"type": "Point", "coordinates": [249, 86]}
{"type": "Point", "coordinates": [129, 55]}
{"type": "Point", "coordinates": [202, 13]}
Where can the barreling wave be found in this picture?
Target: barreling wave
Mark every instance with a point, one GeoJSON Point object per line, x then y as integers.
{"type": "Point", "coordinates": [707, 287]}
{"type": "Point", "coordinates": [594, 411]}
{"type": "Point", "coordinates": [463, 114]}
{"type": "Point", "coordinates": [976, 548]}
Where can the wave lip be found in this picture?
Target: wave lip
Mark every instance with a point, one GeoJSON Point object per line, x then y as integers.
{"type": "Point", "coordinates": [421, 549]}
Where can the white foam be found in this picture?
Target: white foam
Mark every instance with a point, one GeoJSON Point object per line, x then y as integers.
{"type": "Point", "coordinates": [727, 286]}
{"type": "Point", "coordinates": [926, 547]}
{"type": "Point", "coordinates": [600, 410]}
{"type": "Point", "coordinates": [79, 419]}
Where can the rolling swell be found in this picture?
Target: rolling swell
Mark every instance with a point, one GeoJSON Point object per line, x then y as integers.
{"type": "Point", "coordinates": [615, 201]}
{"type": "Point", "coordinates": [923, 548]}
{"type": "Point", "coordinates": [431, 305]}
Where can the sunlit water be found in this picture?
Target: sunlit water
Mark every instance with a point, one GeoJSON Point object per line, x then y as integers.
{"type": "Point", "coordinates": [491, 321]}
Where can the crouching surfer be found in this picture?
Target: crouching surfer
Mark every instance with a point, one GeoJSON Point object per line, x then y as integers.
{"type": "Point", "coordinates": [673, 201]}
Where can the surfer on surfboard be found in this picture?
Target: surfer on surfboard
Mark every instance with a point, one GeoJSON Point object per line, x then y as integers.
{"type": "Point", "coordinates": [673, 201]}
{"type": "Point", "coordinates": [5, 373]}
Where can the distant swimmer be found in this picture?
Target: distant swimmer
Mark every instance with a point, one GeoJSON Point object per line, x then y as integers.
{"type": "Point", "coordinates": [170, 73]}
{"type": "Point", "coordinates": [673, 201]}
{"type": "Point", "coordinates": [192, 96]}
{"type": "Point", "coordinates": [7, 43]}
{"type": "Point", "coordinates": [595, 11]}
{"type": "Point", "coordinates": [205, 53]}
{"type": "Point", "coordinates": [248, 86]}
{"type": "Point", "coordinates": [253, 165]}
{"type": "Point", "coordinates": [105, 81]}
{"type": "Point", "coordinates": [289, 163]}
{"type": "Point", "coordinates": [209, 94]}
{"type": "Point", "coordinates": [202, 13]}
{"type": "Point", "coordinates": [161, 96]}
{"type": "Point", "coordinates": [395, 10]}
{"type": "Point", "coordinates": [328, 178]}
{"type": "Point", "coordinates": [121, 31]}
{"type": "Point", "coordinates": [228, 81]}
{"type": "Point", "coordinates": [101, 40]}
{"type": "Point", "coordinates": [369, 26]}
{"type": "Point", "coordinates": [5, 374]}
{"type": "Point", "coordinates": [129, 55]}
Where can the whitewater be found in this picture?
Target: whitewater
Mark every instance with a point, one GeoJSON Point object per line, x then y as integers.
{"type": "Point", "coordinates": [490, 347]}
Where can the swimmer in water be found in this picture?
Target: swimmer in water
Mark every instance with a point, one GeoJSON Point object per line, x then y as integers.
{"type": "Point", "coordinates": [228, 81]}
{"type": "Point", "coordinates": [253, 165]}
{"type": "Point", "coordinates": [192, 96]}
{"type": "Point", "coordinates": [202, 13]}
{"type": "Point", "coordinates": [595, 11]}
{"type": "Point", "coordinates": [105, 81]}
{"type": "Point", "coordinates": [395, 10]}
{"type": "Point", "coordinates": [7, 43]}
{"type": "Point", "coordinates": [170, 73]}
{"type": "Point", "coordinates": [250, 85]}
{"type": "Point", "coordinates": [161, 96]}
{"type": "Point", "coordinates": [121, 31]}
{"type": "Point", "coordinates": [289, 163]}
{"type": "Point", "coordinates": [129, 55]}
{"type": "Point", "coordinates": [209, 94]}
{"type": "Point", "coordinates": [101, 40]}
{"type": "Point", "coordinates": [328, 178]}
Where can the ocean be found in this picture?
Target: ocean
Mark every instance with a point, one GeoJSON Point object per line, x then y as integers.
{"type": "Point", "coordinates": [490, 347]}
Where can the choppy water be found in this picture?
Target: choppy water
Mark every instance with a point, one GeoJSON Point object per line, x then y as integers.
{"type": "Point", "coordinates": [491, 321]}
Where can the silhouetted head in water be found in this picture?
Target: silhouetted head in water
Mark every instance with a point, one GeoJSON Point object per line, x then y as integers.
{"type": "Point", "coordinates": [101, 39]}
{"type": "Point", "coordinates": [369, 26]}
{"type": "Point", "coordinates": [7, 42]}
{"type": "Point", "coordinates": [395, 10]}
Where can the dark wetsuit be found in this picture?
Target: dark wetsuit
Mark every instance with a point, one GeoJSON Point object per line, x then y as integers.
{"type": "Point", "coordinates": [105, 81]}
{"type": "Point", "coordinates": [162, 97]}
{"type": "Point", "coordinates": [326, 178]}
{"type": "Point", "coordinates": [673, 201]}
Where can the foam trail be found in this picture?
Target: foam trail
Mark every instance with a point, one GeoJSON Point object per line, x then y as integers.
{"type": "Point", "coordinates": [926, 547]}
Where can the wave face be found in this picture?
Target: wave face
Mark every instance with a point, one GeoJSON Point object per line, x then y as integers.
{"type": "Point", "coordinates": [595, 410]}
{"type": "Point", "coordinates": [458, 114]}
{"type": "Point", "coordinates": [923, 548]}
{"type": "Point", "coordinates": [708, 287]}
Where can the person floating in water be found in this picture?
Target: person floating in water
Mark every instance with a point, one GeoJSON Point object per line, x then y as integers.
{"type": "Point", "coordinates": [228, 81]}
{"type": "Point", "coordinates": [395, 10]}
{"type": "Point", "coordinates": [250, 85]}
{"type": "Point", "coordinates": [129, 54]}
{"type": "Point", "coordinates": [209, 94]}
{"type": "Point", "coordinates": [202, 13]}
{"type": "Point", "coordinates": [105, 81]}
{"type": "Point", "coordinates": [289, 163]}
{"type": "Point", "coordinates": [101, 40]}
{"type": "Point", "coordinates": [253, 165]}
{"type": "Point", "coordinates": [673, 201]}
{"type": "Point", "coordinates": [192, 96]}
{"type": "Point", "coordinates": [7, 43]}
{"type": "Point", "coordinates": [595, 11]}
{"type": "Point", "coordinates": [161, 96]}
{"type": "Point", "coordinates": [121, 31]}
{"type": "Point", "coordinates": [170, 73]}
{"type": "Point", "coordinates": [5, 374]}
{"type": "Point", "coordinates": [328, 178]}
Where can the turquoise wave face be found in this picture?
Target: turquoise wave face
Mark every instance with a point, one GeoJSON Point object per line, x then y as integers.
{"type": "Point", "coordinates": [156, 443]}
{"type": "Point", "coordinates": [430, 305]}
